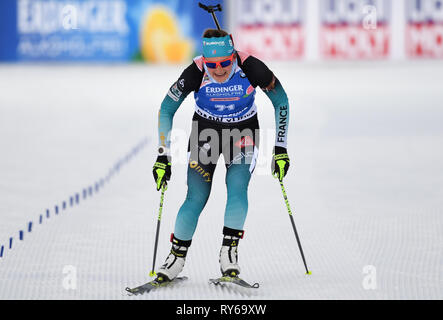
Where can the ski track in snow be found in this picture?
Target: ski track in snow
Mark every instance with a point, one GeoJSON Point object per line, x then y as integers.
{"type": "Point", "coordinates": [365, 185]}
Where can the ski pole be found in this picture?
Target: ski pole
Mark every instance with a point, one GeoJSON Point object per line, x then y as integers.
{"type": "Point", "coordinates": [164, 187]}
{"type": "Point", "coordinates": [293, 226]}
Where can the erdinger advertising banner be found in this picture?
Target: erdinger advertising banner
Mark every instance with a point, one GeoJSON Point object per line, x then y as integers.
{"type": "Point", "coordinates": [424, 29]}
{"type": "Point", "coordinates": [101, 30]}
{"type": "Point", "coordinates": [355, 29]}
{"type": "Point", "coordinates": [269, 29]}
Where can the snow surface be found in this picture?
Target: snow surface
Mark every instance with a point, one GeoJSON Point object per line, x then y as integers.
{"type": "Point", "coordinates": [365, 184]}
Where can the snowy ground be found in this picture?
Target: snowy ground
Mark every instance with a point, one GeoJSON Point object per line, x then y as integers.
{"type": "Point", "coordinates": [365, 183]}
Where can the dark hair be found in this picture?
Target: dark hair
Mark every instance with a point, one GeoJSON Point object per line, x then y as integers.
{"type": "Point", "coordinates": [214, 33]}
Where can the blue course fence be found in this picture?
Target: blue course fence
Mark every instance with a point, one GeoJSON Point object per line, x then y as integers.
{"type": "Point", "coordinates": [76, 197]}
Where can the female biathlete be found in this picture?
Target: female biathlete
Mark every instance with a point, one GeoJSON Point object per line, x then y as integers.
{"type": "Point", "coordinates": [225, 122]}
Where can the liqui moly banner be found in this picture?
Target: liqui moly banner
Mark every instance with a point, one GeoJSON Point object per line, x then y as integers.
{"type": "Point", "coordinates": [424, 29]}
{"type": "Point", "coordinates": [355, 29]}
{"type": "Point", "coordinates": [269, 29]}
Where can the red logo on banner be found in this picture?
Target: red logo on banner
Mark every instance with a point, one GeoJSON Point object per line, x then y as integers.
{"type": "Point", "coordinates": [244, 142]}
{"type": "Point", "coordinates": [357, 29]}
{"type": "Point", "coordinates": [272, 42]}
{"type": "Point", "coordinates": [424, 29]}
{"type": "Point", "coordinates": [354, 42]}
{"type": "Point", "coordinates": [270, 29]}
{"type": "Point", "coordinates": [424, 40]}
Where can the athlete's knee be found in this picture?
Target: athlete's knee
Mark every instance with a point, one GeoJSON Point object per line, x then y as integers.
{"type": "Point", "coordinates": [237, 186]}
{"type": "Point", "coordinates": [238, 200]}
{"type": "Point", "coordinates": [197, 200]}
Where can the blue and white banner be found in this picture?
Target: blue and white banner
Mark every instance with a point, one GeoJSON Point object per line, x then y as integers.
{"type": "Point", "coordinates": [101, 30]}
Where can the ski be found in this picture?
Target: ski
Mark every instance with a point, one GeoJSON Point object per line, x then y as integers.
{"type": "Point", "coordinates": [235, 280]}
{"type": "Point", "coordinates": [154, 284]}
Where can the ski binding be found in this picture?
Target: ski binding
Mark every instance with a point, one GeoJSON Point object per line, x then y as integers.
{"type": "Point", "coordinates": [154, 284]}
{"type": "Point", "coordinates": [235, 280]}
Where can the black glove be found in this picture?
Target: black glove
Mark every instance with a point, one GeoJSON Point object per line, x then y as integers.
{"type": "Point", "coordinates": [162, 171]}
{"type": "Point", "coordinates": [280, 163]}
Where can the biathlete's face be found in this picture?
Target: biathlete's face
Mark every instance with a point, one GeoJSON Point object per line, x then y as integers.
{"type": "Point", "coordinates": [219, 68]}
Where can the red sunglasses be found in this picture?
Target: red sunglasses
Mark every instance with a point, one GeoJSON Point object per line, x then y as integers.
{"type": "Point", "coordinates": [223, 63]}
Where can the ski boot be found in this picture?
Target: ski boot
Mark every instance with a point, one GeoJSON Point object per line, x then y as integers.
{"type": "Point", "coordinates": [175, 261]}
{"type": "Point", "coordinates": [228, 253]}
